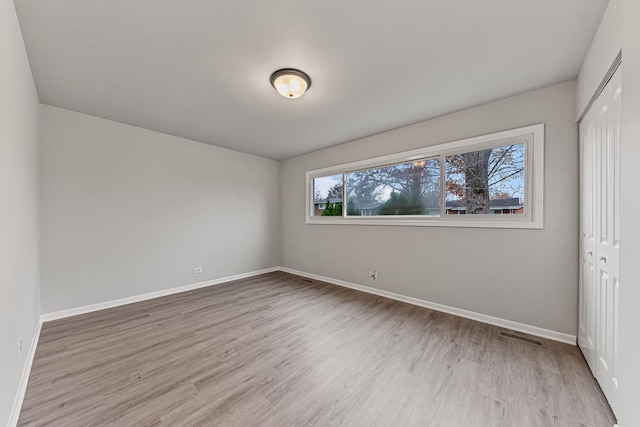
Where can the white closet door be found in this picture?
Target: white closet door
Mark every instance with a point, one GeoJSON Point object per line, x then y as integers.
{"type": "Point", "coordinates": [608, 236]}
{"type": "Point", "coordinates": [587, 287]}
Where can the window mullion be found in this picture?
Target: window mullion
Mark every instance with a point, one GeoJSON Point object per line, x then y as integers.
{"type": "Point", "coordinates": [344, 194]}
{"type": "Point", "coordinates": [443, 194]}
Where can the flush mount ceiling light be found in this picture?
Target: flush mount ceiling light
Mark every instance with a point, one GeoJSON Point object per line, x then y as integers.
{"type": "Point", "coordinates": [290, 83]}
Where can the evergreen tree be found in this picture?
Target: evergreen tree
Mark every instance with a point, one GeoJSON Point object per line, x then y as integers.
{"type": "Point", "coordinates": [352, 209]}
{"type": "Point", "coordinates": [402, 204]}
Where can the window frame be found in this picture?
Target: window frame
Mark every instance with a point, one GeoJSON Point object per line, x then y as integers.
{"type": "Point", "coordinates": [532, 218]}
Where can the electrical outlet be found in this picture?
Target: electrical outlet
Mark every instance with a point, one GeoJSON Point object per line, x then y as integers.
{"type": "Point", "coordinates": [373, 274]}
{"type": "Point", "coordinates": [197, 270]}
{"type": "Point", "coordinates": [20, 346]}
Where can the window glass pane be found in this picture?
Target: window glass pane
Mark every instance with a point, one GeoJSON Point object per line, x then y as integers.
{"type": "Point", "coordinates": [327, 196]}
{"type": "Point", "coordinates": [488, 181]}
{"type": "Point", "coordinates": [411, 188]}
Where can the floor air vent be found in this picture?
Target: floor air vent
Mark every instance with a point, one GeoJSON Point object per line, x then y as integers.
{"type": "Point", "coordinates": [520, 338]}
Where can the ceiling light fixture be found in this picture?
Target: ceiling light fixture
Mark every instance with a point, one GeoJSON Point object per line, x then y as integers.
{"type": "Point", "coordinates": [290, 83]}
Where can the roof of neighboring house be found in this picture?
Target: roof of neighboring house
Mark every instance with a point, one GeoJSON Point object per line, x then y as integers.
{"type": "Point", "coordinates": [512, 202]}
{"type": "Point", "coordinates": [373, 205]}
{"type": "Point", "coordinates": [331, 200]}
{"type": "Point", "coordinates": [494, 203]}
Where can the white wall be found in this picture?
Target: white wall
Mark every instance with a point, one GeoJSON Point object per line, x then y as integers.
{"type": "Point", "coordinates": [620, 29]}
{"type": "Point", "coordinates": [128, 211]}
{"type": "Point", "coordinates": [19, 277]}
{"type": "Point", "coordinates": [527, 276]}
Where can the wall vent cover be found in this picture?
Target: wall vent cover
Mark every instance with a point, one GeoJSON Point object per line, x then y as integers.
{"type": "Point", "coordinates": [521, 338]}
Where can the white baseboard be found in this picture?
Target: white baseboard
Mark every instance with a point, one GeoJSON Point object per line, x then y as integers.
{"type": "Point", "coordinates": [24, 380]}
{"type": "Point", "coordinates": [151, 295]}
{"type": "Point", "coordinates": [504, 323]}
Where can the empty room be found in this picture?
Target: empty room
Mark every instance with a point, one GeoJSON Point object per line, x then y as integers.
{"type": "Point", "coordinates": [297, 213]}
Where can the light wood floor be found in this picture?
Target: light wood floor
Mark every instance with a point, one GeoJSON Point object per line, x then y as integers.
{"type": "Point", "coordinates": [280, 350]}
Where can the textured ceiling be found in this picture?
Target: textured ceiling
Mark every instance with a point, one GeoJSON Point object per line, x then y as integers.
{"type": "Point", "coordinates": [200, 69]}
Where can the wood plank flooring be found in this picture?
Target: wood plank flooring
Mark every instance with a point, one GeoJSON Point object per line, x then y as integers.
{"type": "Point", "coordinates": [281, 350]}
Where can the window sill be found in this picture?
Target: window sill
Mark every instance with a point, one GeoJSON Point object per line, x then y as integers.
{"type": "Point", "coordinates": [466, 222]}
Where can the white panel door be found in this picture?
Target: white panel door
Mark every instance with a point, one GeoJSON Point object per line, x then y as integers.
{"type": "Point", "coordinates": [608, 236]}
{"type": "Point", "coordinates": [587, 274]}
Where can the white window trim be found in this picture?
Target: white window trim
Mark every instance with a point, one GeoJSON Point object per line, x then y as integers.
{"type": "Point", "coordinates": [533, 195]}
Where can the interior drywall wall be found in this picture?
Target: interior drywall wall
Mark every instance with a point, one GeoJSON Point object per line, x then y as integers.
{"type": "Point", "coordinates": [620, 30]}
{"type": "Point", "coordinates": [19, 277]}
{"type": "Point", "coordinates": [527, 276]}
{"type": "Point", "coordinates": [128, 211]}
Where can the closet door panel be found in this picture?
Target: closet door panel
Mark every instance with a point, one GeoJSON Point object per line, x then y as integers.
{"type": "Point", "coordinates": [587, 276]}
{"type": "Point", "coordinates": [608, 236]}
